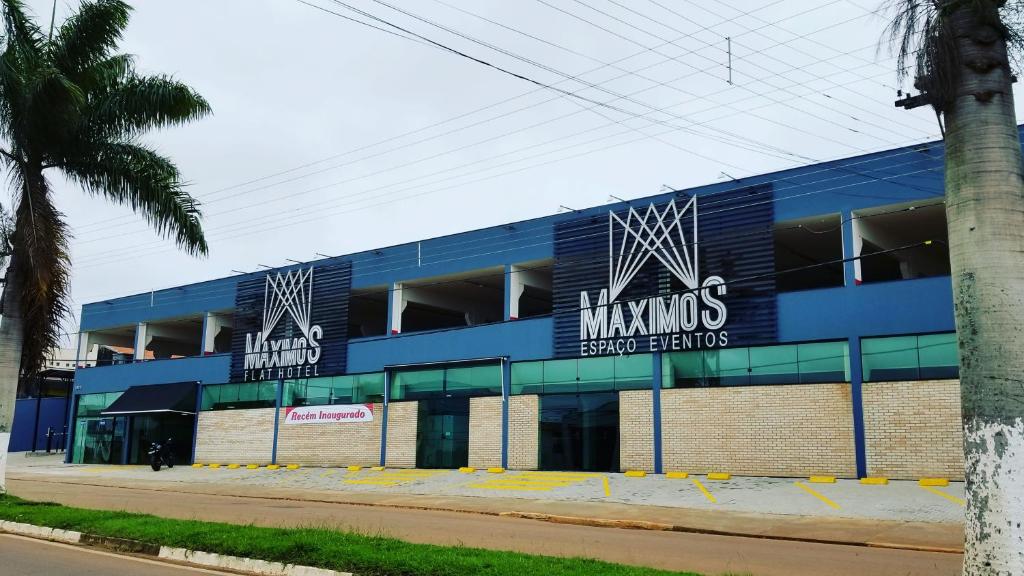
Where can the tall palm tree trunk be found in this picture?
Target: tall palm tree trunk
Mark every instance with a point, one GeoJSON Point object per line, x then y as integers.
{"type": "Point", "coordinates": [985, 214]}
{"type": "Point", "coordinates": [11, 338]}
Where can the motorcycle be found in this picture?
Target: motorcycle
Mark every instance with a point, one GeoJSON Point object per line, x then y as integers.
{"type": "Point", "coordinates": [160, 455]}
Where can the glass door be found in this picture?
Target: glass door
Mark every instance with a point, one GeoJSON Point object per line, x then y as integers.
{"type": "Point", "coordinates": [442, 434]}
{"type": "Point", "coordinates": [579, 432]}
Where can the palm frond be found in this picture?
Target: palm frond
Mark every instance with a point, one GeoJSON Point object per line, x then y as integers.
{"type": "Point", "coordinates": [143, 103]}
{"type": "Point", "coordinates": [135, 176]}
{"type": "Point", "coordinates": [40, 254]}
{"type": "Point", "coordinates": [20, 30]}
{"type": "Point", "coordinates": [89, 35]}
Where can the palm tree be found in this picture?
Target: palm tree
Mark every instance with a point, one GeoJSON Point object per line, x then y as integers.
{"type": "Point", "coordinates": [69, 103]}
{"type": "Point", "coordinates": [963, 52]}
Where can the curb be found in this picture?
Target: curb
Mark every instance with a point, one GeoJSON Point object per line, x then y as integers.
{"type": "Point", "coordinates": [174, 555]}
{"type": "Point", "coordinates": [663, 527]}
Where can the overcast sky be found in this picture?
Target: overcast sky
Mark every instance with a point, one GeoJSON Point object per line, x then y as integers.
{"type": "Point", "coordinates": [329, 136]}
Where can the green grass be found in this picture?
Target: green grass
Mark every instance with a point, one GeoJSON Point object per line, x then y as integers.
{"type": "Point", "coordinates": [346, 551]}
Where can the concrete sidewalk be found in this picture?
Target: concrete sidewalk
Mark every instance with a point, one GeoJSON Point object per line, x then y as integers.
{"type": "Point", "coordinates": [296, 486]}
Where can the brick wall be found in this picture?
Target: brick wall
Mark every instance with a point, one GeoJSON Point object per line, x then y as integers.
{"type": "Point", "coordinates": [331, 444]}
{"type": "Point", "coordinates": [235, 436]}
{"type": "Point", "coordinates": [913, 429]}
{"type": "Point", "coordinates": [485, 432]}
{"type": "Point", "coordinates": [636, 430]}
{"type": "Point", "coordinates": [523, 432]}
{"type": "Point", "coordinates": [795, 430]}
{"type": "Point", "coordinates": [401, 441]}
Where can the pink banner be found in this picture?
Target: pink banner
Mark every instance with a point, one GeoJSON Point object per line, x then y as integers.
{"type": "Point", "coordinates": [329, 414]}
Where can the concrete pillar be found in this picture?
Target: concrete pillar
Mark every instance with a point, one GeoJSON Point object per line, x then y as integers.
{"type": "Point", "coordinates": [140, 341]}
{"type": "Point", "coordinates": [515, 291]}
{"type": "Point", "coordinates": [82, 356]}
{"type": "Point", "coordinates": [396, 305]}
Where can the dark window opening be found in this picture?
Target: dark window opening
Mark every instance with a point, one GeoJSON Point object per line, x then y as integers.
{"type": "Point", "coordinates": [809, 253]}
{"type": "Point", "coordinates": [368, 312]}
{"type": "Point", "coordinates": [465, 299]}
{"type": "Point", "coordinates": [531, 289]}
{"type": "Point", "coordinates": [901, 242]}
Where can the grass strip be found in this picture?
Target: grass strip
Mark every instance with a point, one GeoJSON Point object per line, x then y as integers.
{"type": "Point", "coordinates": [364, 555]}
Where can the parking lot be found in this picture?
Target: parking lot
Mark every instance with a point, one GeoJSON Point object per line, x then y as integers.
{"type": "Point", "coordinates": [897, 500]}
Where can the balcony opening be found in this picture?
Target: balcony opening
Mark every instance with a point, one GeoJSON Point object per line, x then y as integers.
{"type": "Point", "coordinates": [219, 330]}
{"type": "Point", "coordinates": [176, 338]}
{"type": "Point", "coordinates": [809, 253]}
{"type": "Point", "coordinates": [107, 347]}
{"type": "Point", "coordinates": [901, 242]}
{"type": "Point", "coordinates": [530, 284]}
{"type": "Point", "coordinates": [452, 301]}
{"type": "Point", "coordinates": [368, 312]}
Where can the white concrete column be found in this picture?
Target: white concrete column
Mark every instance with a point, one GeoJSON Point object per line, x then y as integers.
{"type": "Point", "coordinates": [82, 356]}
{"type": "Point", "coordinates": [515, 291]}
{"type": "Point", "coordinates": [395, 307]}
{"type": "Point", "coordinates": [140, 341]}
{"type": "Point", "coordinates": [212, 325]}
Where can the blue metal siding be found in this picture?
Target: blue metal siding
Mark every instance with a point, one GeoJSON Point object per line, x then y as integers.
{"type": "Point", "coordinates": [206, 369]}
{"type": "Point", "coordinates": [527, 339]}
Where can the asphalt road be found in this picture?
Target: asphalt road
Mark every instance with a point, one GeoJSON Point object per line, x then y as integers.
{"type": "Point", "coordinates": [708, 554]}
{"type": "Point", "coordinates": [28, 557]}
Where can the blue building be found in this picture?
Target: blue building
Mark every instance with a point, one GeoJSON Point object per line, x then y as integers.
{"type": "Point", "coordinates": [794, 323]}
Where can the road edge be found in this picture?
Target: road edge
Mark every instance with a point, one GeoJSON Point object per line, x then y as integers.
{"type": "Point", "coordinates": [171, 555]}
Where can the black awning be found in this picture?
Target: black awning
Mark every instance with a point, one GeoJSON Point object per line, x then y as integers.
{"type": "Point", "coordinates": [179, 398]}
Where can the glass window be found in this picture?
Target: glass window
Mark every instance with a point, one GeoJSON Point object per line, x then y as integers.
{"type": "Point", "coordinates": [890, 358]}
{"type": "Point", "coordinates": [682, 370]}
{"type": "Point", "coordinates": [938, 356]}
{"type": "Point", "coordinates": [560, 376]}
{"type": "Point", "coordinates": [527, 378]}
{"type": "Point", "coordinates": [596, 374]}
{"type": "Point", "coordinates": [824, 362]}
{"type": "Point", "coordinates": [727, 367]}
{"type": "Point", "coordinates": [929, 356]}
{"type": "Point", "coordinates": [634, 372]}
{"type": "Point", "coordinates": [473, 380]}
{"type": "Point", "coordinates": [774, 365]}
{"type": "Point", "coordinates": [368, 388]}
{"type": "Point", "coordinates": [412, 384]}
{"type": "Point", "coordinates": [93, 404]}
{"type": "Point", "coordinates": [815, 362]}
{"type": "Point", "coordinates": [243, 395]}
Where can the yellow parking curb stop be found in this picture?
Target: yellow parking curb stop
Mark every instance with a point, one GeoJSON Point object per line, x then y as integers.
{"type": "Point", "coordinates": [377, 468]}
{"type": "Point", "coordinates": [933, 482]}
{"type": "Point", "coordinates": [822, 479]}
{"type": "Point", "coordinates": [251, 466]}
{"type": "Point", "coordinates": [496, 470]}
{"type": "Point", "coordinates": [677, 475]}
{"type": "Point", "coordinates": [719, 476]}
{"type": "Point", "coordinates": [292, 466]}
{"type": "Point", "coordinates": [273, 466]}
{"type": "Point", "coordinates": [233, 466]}
{"type": "Point", "coordinates": [354, 468]}
{"type": "Point", "coordinates": [467, 469]}
{"type": "Point", "coordinates": [214, 465]}
{"type": "Point", "coordinates": [635, 474]}
{"type": "Point", "coordinates": [875, 480]}
{"type": "Point", "coordinates": [197, 465]}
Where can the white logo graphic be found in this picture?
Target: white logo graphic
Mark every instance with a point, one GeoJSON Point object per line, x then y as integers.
{"type": "Point", "coordinates": [295, 355]}
{"type": "Point", "coordinates": [691, 318]}
{"type": "Point", "coordinates": [292, 293]}
{"type": "Point", "coordinates": [660, 235]}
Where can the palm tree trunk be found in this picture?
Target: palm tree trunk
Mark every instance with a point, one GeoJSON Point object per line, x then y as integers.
{"type": "Point", "coordinates": [11, 338]}
{"type": "Point", "coordinates": [985, 214]}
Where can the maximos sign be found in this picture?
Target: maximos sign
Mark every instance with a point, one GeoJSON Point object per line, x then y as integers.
{"type": "Point", "coordinates": [691, 318]}
{"type": "Point", "coordinates": [292, 356]}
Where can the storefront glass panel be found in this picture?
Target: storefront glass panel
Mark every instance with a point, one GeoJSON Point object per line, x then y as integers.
{"type": "Point", "coordinates": [239, 396]}
{"type": "Point", "coordinates": [824, 362]}
{"type": "Point", "coordinates": [527, 378]}
{"type": "Point", "coordinates": [774, 365]}
{"type": "Point", "coordinates": [596, 374]}
{"type": "Point", "coordinates": [634, 372]}
{"type": "Point", "coordinates": [442, 433]}
{"type": "Point", "coordinates": [924, 357]}
{"type": "Point", "coordinates": [579, 432]}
